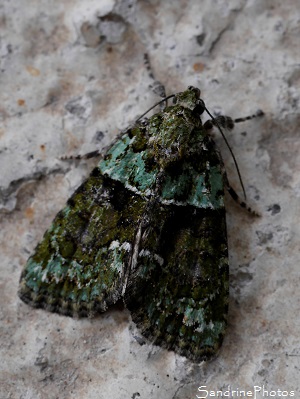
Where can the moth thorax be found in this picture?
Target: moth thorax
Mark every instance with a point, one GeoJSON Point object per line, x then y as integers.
{"type": "Point", "coordinates": [170, 148]}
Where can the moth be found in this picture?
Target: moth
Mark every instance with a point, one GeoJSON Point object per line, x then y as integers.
{"type": "Point", "coordinates": [147, 227]}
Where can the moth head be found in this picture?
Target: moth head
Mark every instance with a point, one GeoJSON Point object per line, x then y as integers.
{"type": "Point", "coordinates": [172, 141]}
{"type": "Point", "coordinates": [190, 98]}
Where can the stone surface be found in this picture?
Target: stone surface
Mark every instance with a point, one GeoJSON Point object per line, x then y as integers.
{"type": "Point", "coordinates": [72, 76]}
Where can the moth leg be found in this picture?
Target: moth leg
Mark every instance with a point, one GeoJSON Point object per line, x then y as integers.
{"type": "Point", "coordinates": [238, 200]}
{"type": "Point", "coordinates": [227, 122]}
{"type": "Point", "coordinates": [157, 87]}
{"type": "Point", "coordinates": [258, 113]}
{"type": "Point", "coordinates": [232, 191]}
{"type": "Point", "coordinates": [222, 120]}
{"type": "Point", "coordinates": [92, 154]}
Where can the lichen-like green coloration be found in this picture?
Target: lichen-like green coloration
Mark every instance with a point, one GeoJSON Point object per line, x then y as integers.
{"type": "Point", "coordinates": [148, 227]}
{"type": "Point", "coordinates": [177, 164]}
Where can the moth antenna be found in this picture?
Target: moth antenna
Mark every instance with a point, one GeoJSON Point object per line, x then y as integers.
{"type": "Point", "coordinates": [157, 87]}
{"type": "Point", "coordinates": [155, 105]}
{"type": "Point", "coordinates": [231, 152]}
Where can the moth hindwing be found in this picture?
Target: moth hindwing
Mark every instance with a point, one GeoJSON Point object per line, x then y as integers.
{"type": "Point", "coordinates": [148, 227]}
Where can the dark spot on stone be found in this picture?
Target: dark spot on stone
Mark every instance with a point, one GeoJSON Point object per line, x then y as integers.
{"type": "Point", "coordinates": [75, 108]}
{"type": "Point", "coordinates": [244, 277]}
{"type": "Point", "coordinates": [200, 39]}
{"type": "Point", "coordinates": [264, 237]}
{"type": "Point", "coordinates": [98, 136]}
{"type": "Point", "coordinates": [140, 340]}
{"type": "Point", "coordinates": [274, 209]}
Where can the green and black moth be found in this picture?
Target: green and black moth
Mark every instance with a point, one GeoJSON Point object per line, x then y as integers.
{"type": "Point", "coordinates": [147, 227]}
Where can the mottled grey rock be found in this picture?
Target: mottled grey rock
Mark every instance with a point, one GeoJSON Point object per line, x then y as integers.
{"type": "Point", "coordinates": [72, 69]}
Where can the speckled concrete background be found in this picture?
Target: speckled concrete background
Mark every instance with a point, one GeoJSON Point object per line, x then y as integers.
{"type": "Point", "coordinates": [72, 76]}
